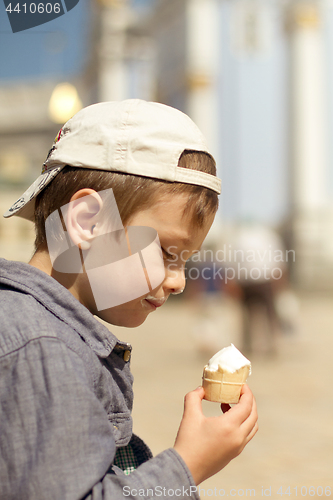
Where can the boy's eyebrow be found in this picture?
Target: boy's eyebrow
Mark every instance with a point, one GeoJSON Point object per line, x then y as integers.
{"type": "Point", "coordinates": [185, 240]}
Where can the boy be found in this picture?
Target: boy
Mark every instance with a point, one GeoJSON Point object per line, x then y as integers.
{"type": "Point", "coordinates": [66, 388]}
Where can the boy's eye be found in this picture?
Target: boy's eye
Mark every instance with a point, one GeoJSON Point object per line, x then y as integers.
{"type": "Point", "coordinates": [168, 255]}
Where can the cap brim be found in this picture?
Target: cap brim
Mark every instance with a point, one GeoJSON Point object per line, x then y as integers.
{"type": "Point", "coordinates": [25, 206]}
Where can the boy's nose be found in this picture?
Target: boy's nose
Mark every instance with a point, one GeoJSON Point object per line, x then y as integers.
{"type": "Point", "coordinates": [175, 281]}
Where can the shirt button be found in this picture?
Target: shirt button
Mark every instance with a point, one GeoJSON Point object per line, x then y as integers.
{"type": "Point", "coordinates": [127, 355]}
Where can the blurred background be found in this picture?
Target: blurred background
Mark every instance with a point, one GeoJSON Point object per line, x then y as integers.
{"type": "Point", "coordinates": [256, 77]}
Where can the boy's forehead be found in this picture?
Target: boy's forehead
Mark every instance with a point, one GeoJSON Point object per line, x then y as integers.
{"type": "Point", "coordinates": [168, 218]}
{"type": "Point", "coordinates": [168, 209]}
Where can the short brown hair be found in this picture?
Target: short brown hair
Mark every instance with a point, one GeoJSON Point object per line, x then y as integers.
{"type": "Point", "coordinates": [132, 193]}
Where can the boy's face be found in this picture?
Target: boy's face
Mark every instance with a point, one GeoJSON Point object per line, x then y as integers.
{"type": "Point", "coordinates": [179, 240]}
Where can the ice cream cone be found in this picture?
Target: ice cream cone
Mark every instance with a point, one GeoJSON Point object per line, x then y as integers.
{"type": "Point", "coordinates": [223, 386]}
{"type": "Point", "coordinates": [225, 374]}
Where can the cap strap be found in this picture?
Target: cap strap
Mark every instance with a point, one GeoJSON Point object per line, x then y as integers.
{"type": "Point", "coordinates": [198, 178]}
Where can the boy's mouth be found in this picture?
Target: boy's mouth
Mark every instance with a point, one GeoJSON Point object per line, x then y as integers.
{"type": "Point", "coordinates": [154, 302]}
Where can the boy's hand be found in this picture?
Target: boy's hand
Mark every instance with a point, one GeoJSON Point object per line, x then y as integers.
{"type": "Point", "coordinates": [207, 444]}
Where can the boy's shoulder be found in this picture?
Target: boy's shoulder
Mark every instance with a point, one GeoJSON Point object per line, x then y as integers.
{"type": "Point", "coordinates": [22, 319]}
{"type": "Point", "coordinates": [26, 302]}
{"type": "Point", "coordinates": [34, 306]}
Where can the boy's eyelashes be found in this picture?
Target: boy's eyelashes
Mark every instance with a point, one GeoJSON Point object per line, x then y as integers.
{"type": "Point", "coordinates": [168, 255]}
{"type": "Point", "coordinates": [172, 256]}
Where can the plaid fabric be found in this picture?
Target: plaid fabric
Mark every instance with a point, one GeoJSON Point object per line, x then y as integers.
{"type": "Point", "coordinates": [125, 459]}
{"type": "Point", "coordinates": [141, 451]}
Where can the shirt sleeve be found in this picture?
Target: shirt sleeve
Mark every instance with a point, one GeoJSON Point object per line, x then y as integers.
{"type": "Point", "coordinates": [57, 442]}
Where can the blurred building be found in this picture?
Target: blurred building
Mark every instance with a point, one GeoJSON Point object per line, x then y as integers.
{"type": "Point", "coordinates": [253, 74]}
{"type": "Point", "coordinates": [25, 134]}
{"type": "Point", "coordinates": [43, 80]}
{"type": "Point", "coordinates": [309, 26]}
{"type": "Point", "coordinates": [188, 71]}
{"type": "Point", "coordinates": [123, 66]}
{"type": "Point", "coordinates": [28, 126]}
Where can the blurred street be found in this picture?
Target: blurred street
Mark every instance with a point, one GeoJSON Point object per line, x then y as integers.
{"type": "Point", "coordinates": [294, 393]}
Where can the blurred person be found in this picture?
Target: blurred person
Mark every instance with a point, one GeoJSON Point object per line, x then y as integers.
{"type": "Point", "coordinates": [203, 293]}
{"type": "Point", "coordinates": [65, 385]}
{"type": "Point", "coordinates": [255, 274]}
{"type": "Point", "coordinates": [214, 314]}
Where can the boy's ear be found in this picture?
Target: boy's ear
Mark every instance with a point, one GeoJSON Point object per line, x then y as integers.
{"type": "Point", "coordinates": [84, 210]}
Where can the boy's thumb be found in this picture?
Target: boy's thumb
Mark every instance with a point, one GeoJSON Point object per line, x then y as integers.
{"type": "Point", "coordinates": [192, 401]}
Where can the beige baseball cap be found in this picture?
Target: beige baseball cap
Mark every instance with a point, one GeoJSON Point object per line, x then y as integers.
{"type": "Point", "coordinates": [132, 136]}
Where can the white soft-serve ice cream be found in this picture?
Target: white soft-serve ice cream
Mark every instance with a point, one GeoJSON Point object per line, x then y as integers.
{"type": "Point", "coordinates": [225, 374]}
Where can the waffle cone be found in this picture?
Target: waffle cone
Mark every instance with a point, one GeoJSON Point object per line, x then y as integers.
{"type": "Point", "coordinates": [222, 386]}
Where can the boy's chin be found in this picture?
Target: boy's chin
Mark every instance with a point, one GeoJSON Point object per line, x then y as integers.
{"type": "Point", "coordinates": [128, 318]}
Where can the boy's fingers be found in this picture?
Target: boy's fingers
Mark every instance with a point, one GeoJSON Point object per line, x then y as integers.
{"type": "Point", "coordinates": [243, 409]}
{"type": "Point", "coordinates": [253, 432]}
{"type": "Point", "coordinates": [245, 390]}
{"type": "Point", "coordinates": [246, 396]}
{"type": "Point", "coordinates": [192, 401]}
{"type": "Point", "coordinates": [252, 421]}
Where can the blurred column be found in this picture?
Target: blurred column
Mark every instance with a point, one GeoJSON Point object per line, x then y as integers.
{"type": "Point", "coordinates": [308, 145]}
{"type": "Point", "coordinates": [308, 106]}
{"type": "Point", "coordinates": [124, 64]}
{"type": "Point", "coordinates": [202, 67]}
{"type": "Point", "coordinates": [187, 60]}
{"type": "Point", "coordinates": [115, 17]}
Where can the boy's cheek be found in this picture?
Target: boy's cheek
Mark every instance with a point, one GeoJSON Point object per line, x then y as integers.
{"type": "Point", "coordinates": [126, 280]}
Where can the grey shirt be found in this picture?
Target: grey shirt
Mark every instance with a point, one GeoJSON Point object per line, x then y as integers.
{"type": "Point", "coordinates": [66, 399]}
